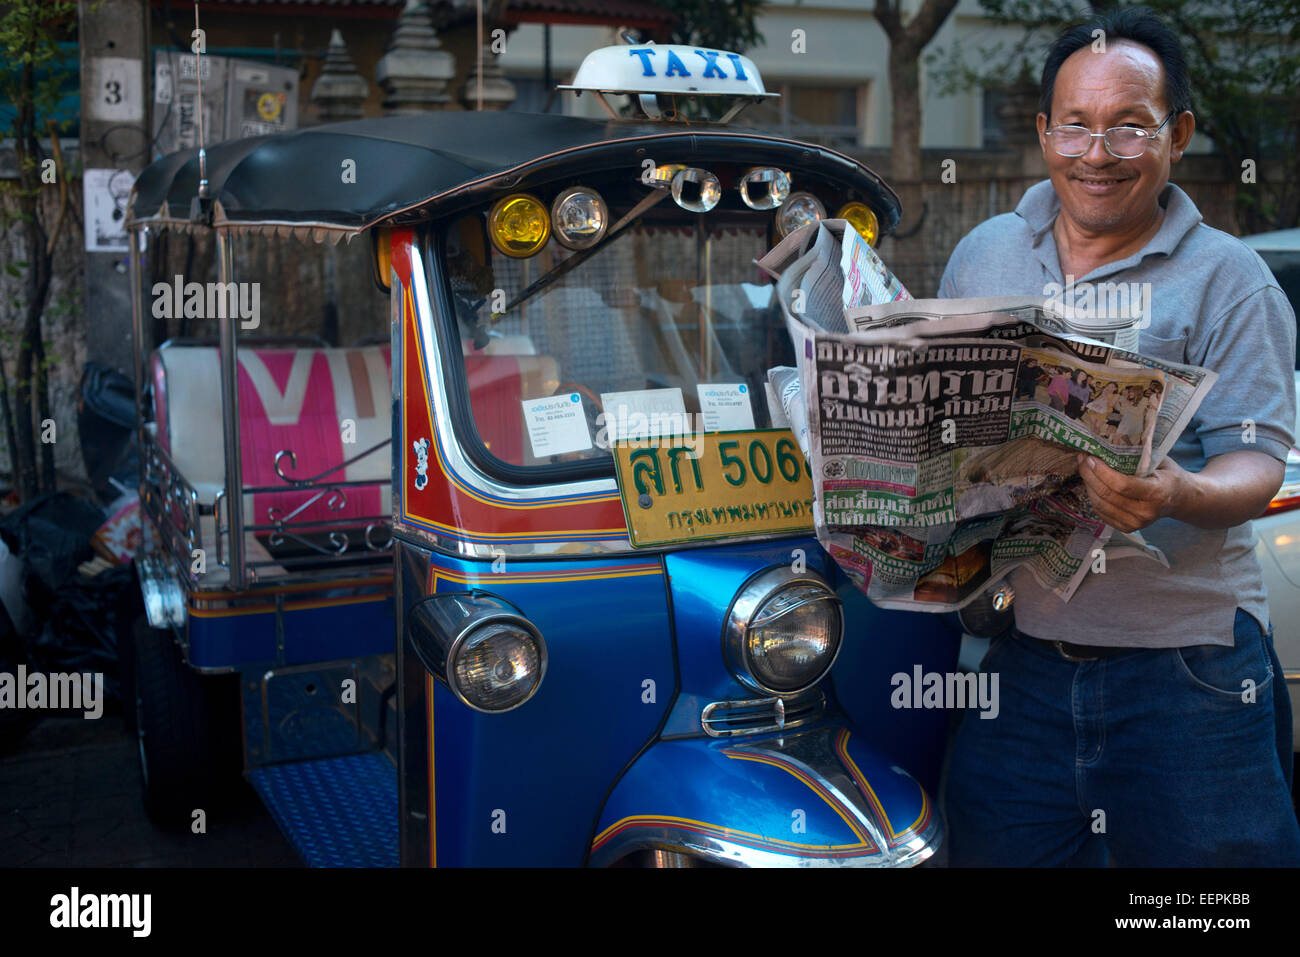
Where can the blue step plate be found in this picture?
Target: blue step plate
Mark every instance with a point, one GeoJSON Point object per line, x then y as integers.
{"type": "Point", "coordinates": [337, 812]}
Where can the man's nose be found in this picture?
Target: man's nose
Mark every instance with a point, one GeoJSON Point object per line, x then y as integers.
{"type": "Point", "coordinates": [1097, 154]}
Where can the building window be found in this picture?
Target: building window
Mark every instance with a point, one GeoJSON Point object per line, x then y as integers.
{"type": "Point", "coordinates": [820, 113]}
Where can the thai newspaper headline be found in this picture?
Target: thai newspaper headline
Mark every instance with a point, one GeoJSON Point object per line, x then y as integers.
{"type": "Point", "coordinates": [942, 433]}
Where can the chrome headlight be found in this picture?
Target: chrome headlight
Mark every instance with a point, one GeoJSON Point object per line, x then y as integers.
{"type": "Point", "coordinates": [696, 190]}
{"type": "Point", "coordinates": [764, 187]}
{"type": "Point", "coordinates": [579, 217]}
{"type": "Point", "coordinates": [783, 631]}
{"type": "Point", "coordinates": [490, 656]}
{"type": "Point", "coordinates": [799, 209]}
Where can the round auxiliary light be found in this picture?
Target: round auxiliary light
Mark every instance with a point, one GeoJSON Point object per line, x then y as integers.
{"type": "Point", "coordinates": [579, 217]}
{"type": "Point", "coordinates": [497, 666]}
{"type": "Point", "coordinates": [519, 225]}
{"type": "Point", "coordinates": [783, 631]}
{"type": "Point", "coordinates": [764, 187]}
{"type": "Point", "coordinates": [862, 219]}
{"type": "Point", "coordinates": [696, 190]}
{"type": "Point", "coordinates": [799, 209]}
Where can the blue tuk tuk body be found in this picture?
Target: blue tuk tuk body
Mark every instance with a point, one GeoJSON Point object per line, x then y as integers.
{"type": "Point", "coordinates": [637, 738]}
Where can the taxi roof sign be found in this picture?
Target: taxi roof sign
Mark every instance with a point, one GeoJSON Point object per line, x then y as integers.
{"type": "Point", "coordinates": [668, 68]}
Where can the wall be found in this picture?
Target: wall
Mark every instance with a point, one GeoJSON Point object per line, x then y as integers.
{"type": "Point", "coordinates": [988, 184]}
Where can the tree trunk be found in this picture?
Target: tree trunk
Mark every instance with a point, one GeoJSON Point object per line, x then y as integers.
{"type": "Point", "coordinates": [906, 42]}
{"type": "Point", "coordinates": [905, 130]}
{"type": "Point", "coordinates": [38, 282]}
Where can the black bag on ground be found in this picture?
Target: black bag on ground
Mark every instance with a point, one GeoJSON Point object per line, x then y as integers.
{"type": "Point", "coordinates": [106, 423]}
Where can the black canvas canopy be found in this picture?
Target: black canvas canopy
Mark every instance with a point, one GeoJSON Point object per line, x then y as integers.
{"type": "Point", "coordinates": [335, 181]}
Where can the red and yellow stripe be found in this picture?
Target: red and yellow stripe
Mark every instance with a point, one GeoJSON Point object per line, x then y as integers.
{"type": "Point", "coordinates": [746, 838]}
{"type": "Point", "coordinates": [893, 839]}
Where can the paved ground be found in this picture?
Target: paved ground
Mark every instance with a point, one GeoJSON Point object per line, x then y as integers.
{"type": "Point", "coordinates": [70, 796]}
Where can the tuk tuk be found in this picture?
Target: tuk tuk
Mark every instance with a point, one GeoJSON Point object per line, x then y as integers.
{"type": "Point", "coordinates": [531, 580]}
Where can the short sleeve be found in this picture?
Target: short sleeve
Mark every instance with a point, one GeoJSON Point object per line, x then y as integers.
{"type": "Point", "coordinates": [1252, 348]}
{"type": "Point", "coordinates": [947, 284]}
{"type": "Point", "coordinates": [948, 281]}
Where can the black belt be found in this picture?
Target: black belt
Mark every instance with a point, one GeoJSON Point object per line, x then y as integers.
{"type": "Point", "coordinates": [1072, 652]}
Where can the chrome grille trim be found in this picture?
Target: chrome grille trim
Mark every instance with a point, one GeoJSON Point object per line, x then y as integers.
{"type": "Point", "coordinates": [759, 715]}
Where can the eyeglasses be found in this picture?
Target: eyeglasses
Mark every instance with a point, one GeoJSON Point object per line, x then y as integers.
{"type": "Point", "coordinates": [1122, 142]}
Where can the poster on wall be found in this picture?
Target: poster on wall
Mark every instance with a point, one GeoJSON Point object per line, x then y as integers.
{"type": "Point", "coordinates": [106, 192]}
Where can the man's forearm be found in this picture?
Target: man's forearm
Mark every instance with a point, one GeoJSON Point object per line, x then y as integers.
{"type": "Point", "coordinates": [1232, 488]}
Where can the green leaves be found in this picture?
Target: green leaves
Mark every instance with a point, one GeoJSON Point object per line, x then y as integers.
{"type": "Point", "coordinates": [715, 24]}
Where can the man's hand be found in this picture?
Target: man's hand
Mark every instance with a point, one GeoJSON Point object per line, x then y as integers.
{"type": "Point", "coordinates": [1232, 488]}
{"type": "Point", "coordinates": [1130, 502]}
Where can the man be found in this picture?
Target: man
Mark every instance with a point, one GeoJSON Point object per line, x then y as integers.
{"type": "Point", "coordinates": [1146, 720]}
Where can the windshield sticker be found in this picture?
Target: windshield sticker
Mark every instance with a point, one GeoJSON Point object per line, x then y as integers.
{"type": "Point", "coordinates": [556, 425]}
{"type": "Point", "coordinates": [726, 408]}
{"type": "Point", "coordinates": [421, 449]}
{"type": "Point", "coordinates": [642, 414]}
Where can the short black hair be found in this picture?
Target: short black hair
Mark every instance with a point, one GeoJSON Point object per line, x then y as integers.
{"type": "Point", "coordinates": [1137, 24]}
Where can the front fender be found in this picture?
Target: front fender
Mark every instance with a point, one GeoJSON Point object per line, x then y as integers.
{"type": "Point", "coordinates": [818, 798]}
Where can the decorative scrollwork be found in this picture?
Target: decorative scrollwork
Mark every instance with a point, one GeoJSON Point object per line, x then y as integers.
{"type": "Point", "coordinates": [313, 479]}
{"type": "Point", "coordinates": [335, 500]}
{"type": "Point", "coordinates": [388, 543]}
{"type": "Point", "coordinates": [338, 541]}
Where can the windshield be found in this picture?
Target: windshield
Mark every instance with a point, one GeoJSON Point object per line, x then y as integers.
{"type": "Point", "coordinates": [667, 324]}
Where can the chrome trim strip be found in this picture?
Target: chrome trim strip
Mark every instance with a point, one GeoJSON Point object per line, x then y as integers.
{"type": "Point", "coordinates": [786, 714]}
{"type": "Point", "coordinates": [725, 853]}
{"type": "Point", "coordinates": [164, 598]}
{"type": "Point", "coordinates": [230, 421]}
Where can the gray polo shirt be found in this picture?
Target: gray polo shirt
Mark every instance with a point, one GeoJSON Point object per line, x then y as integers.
{"type": "Point", "coordinates": [1215, 304]}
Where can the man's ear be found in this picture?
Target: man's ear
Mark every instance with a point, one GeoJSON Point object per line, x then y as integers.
{"type": "Point", "coordinates": [1042, 132]}
{"type": "Point", "coordinates": [1181, 136]}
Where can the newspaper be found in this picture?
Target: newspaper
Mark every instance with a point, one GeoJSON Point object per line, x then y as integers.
{"type": "Point", "coordinates": [942, 434]}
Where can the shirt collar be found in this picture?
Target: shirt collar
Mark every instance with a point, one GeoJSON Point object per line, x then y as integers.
{"type": "Point", "coordinates": [1040, 206]}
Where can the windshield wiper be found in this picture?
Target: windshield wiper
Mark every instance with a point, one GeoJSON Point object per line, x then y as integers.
{"type": "Point", "coordinates": [562, 269]}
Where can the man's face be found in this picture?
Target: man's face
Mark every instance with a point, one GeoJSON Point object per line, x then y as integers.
{"type": "Point", "coordinates": [1123, 86]}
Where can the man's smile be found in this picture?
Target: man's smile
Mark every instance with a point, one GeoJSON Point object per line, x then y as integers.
{"type": "Point", "coordinates": [1095, 184]}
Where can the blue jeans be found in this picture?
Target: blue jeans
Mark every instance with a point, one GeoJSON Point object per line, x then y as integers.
{"type": "Point", "coordinates": [1151, 757]}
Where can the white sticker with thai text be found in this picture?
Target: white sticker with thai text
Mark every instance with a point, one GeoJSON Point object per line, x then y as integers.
{"type": "Point", "coordinates": [556, 424]}
{"type": "Point", "coordinates": [644, 413]}
{"type": "Point", "coordinates": [725, 407]}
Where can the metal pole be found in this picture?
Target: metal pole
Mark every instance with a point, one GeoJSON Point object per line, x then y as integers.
{"type": "Point", "coordinates": [479, 75]}
{"type": "Point", "coordinates": [230, 421]}
{"type": "Point", "coordinates": [547, 82]}
{"type": "Point", "coordinates": [137, 338]}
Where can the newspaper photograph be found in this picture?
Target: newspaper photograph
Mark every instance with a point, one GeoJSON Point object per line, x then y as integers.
{"type": "Point", "coordinates": [942, 434]}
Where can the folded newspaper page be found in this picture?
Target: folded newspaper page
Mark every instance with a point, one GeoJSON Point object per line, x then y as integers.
{"type": "Point", "coordinates": [942, 434]}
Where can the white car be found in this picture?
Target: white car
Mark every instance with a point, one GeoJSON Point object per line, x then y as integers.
{"type": "Point", "coordinates": [1278, 530]}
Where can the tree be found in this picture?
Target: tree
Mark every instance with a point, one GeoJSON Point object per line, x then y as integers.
{"type": "Point", "coordinates": [29, 32]}
{"type": "Point", "coordinates": [906, 41]}
{"type": "Point", "coordinates": [1244, 61]}
{"type": "Point", "coordinates": [717, 25]}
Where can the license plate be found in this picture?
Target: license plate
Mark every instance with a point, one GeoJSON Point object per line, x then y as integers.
{"type": "Point", "coordinates": [718, 485]}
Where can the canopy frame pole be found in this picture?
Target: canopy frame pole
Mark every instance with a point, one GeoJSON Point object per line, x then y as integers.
{"type": "Point", "coordinates": [230, 418]}
{"type": "Point", "coordinates": [134, 238]}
